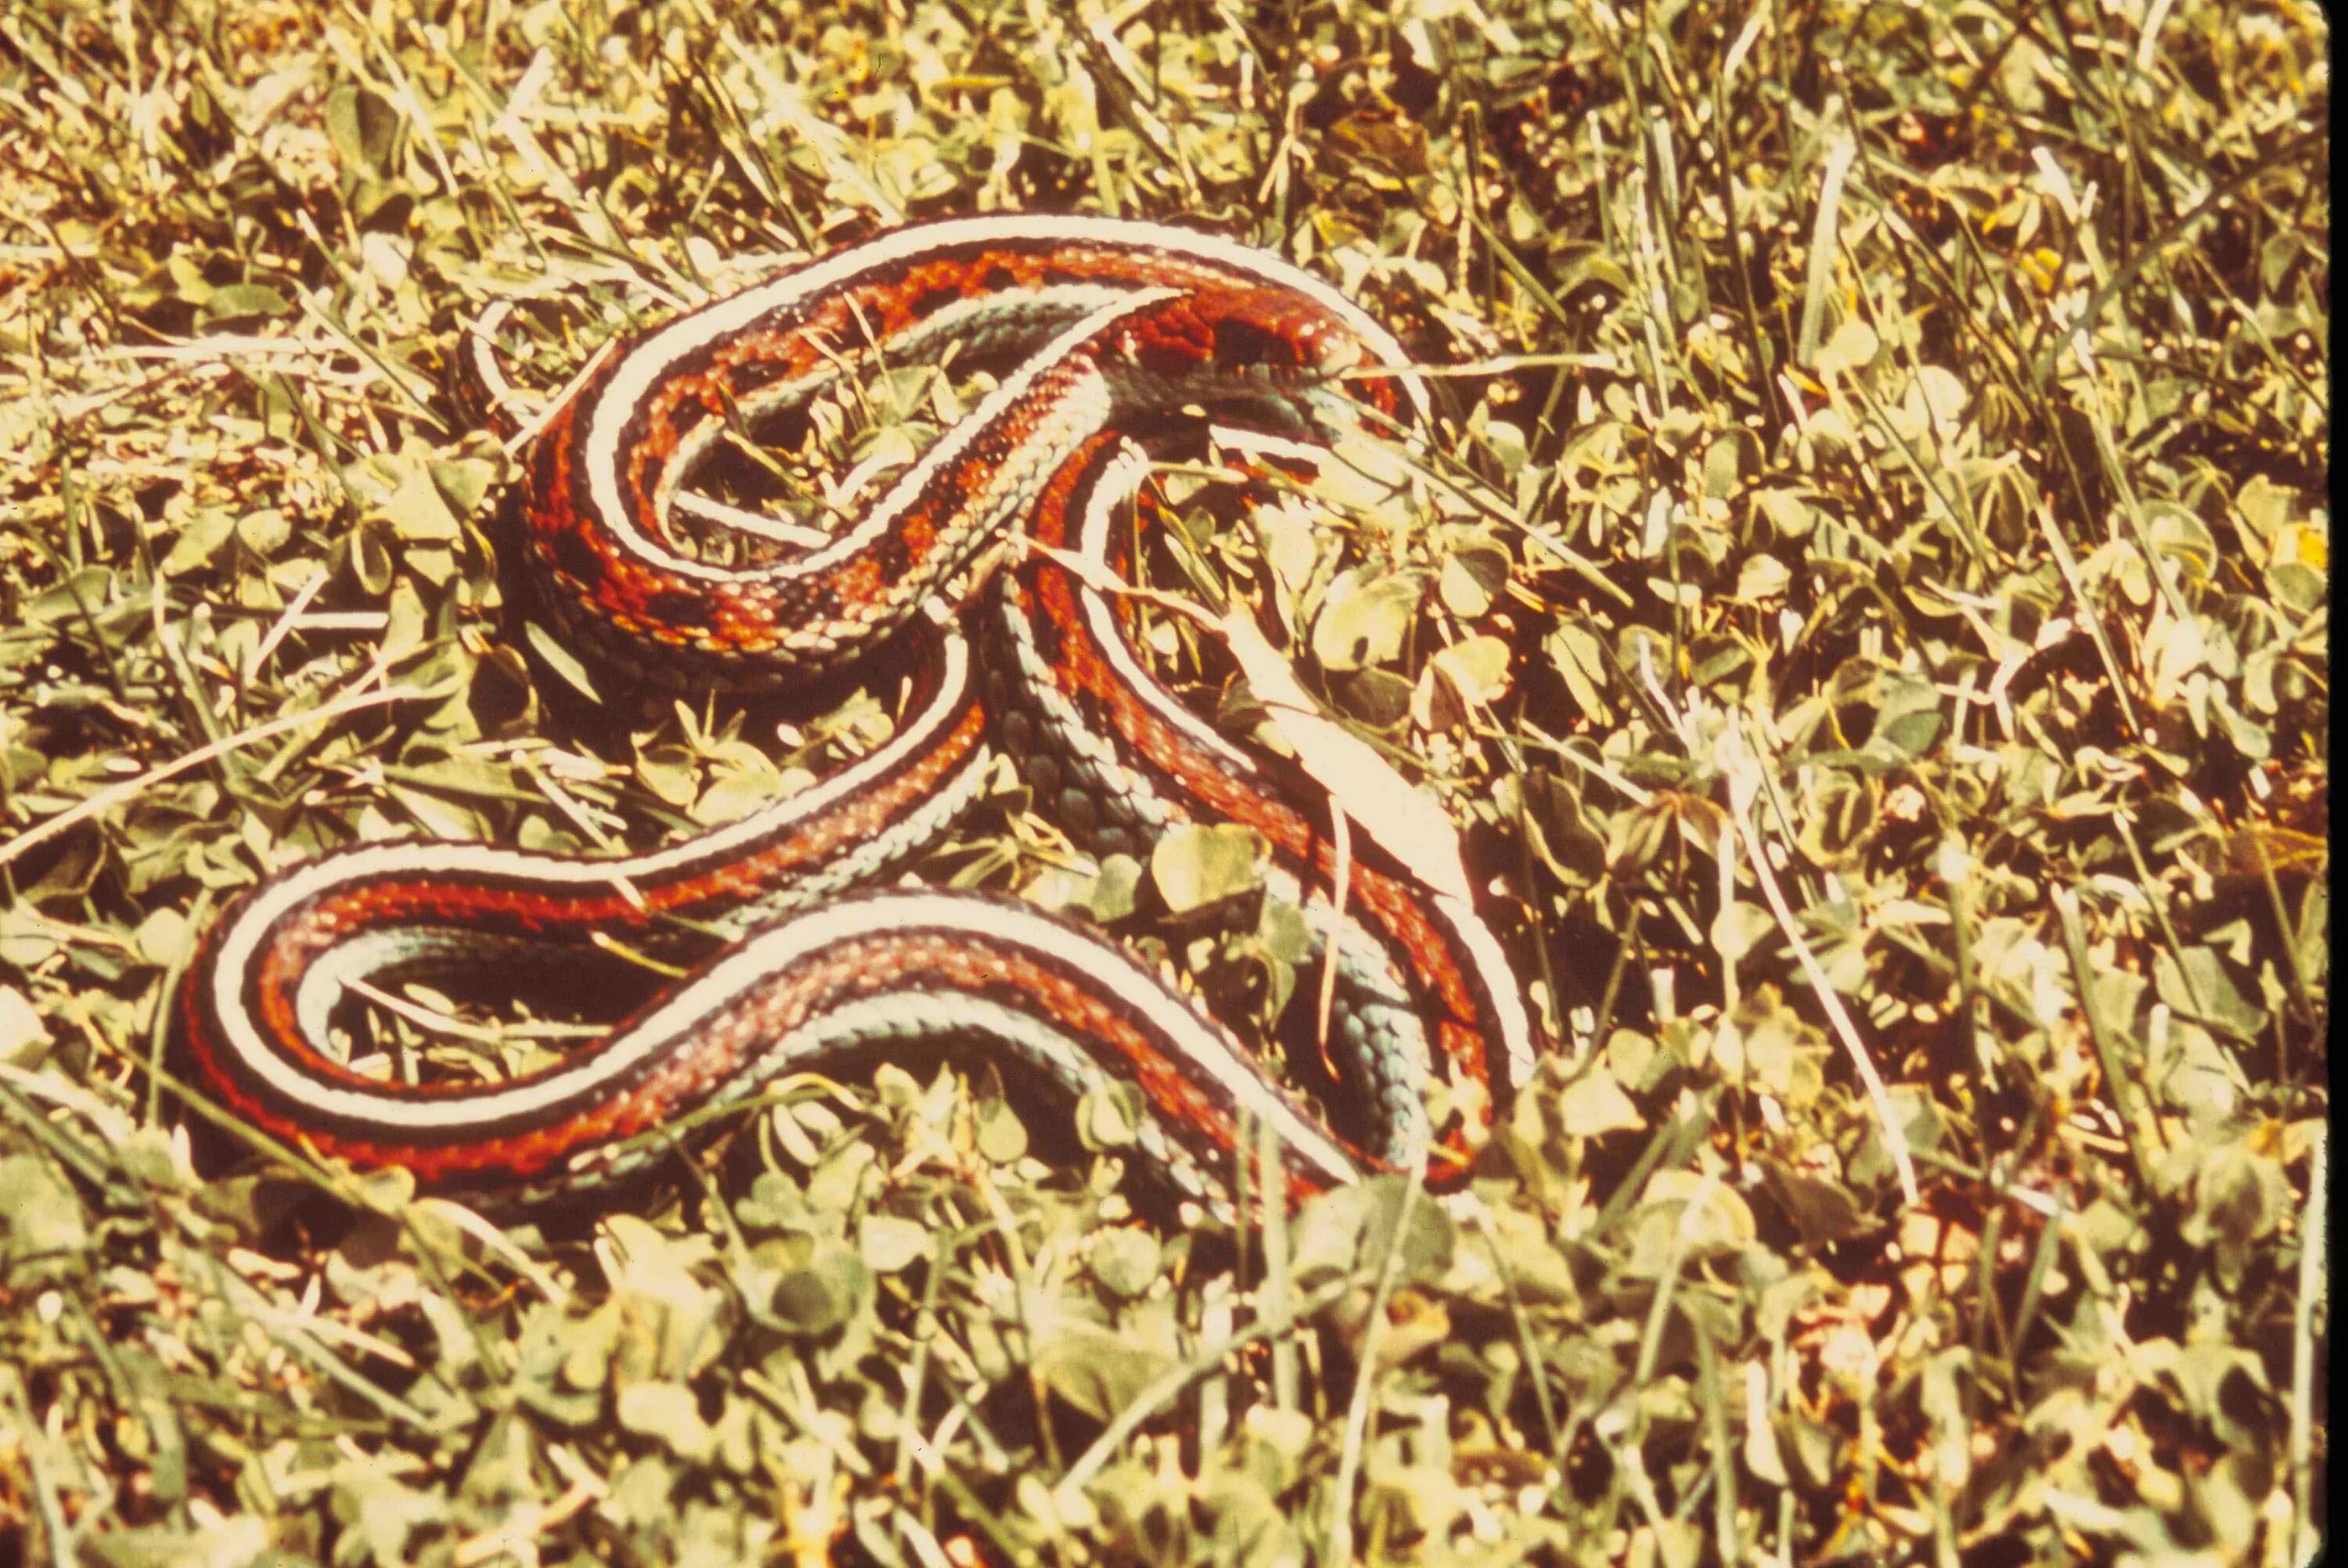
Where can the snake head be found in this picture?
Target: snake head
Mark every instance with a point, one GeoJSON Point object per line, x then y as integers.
{"type": "Point", "coordinates": [1283, 359]}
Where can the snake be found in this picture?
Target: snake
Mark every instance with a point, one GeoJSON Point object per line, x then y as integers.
{"type": "Point", "coordinates": [1102, 343]}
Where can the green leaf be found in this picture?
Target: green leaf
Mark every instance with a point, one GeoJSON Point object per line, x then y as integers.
{"type": "Point", "coordinates": [1595, 1105]}
{"type": "Point", "coordinates": [1378, 698]}
{"type": "Point", "coordinates": [264, 531]}
{"type": "Point", "coordinates": [1762, 579]}
{"type": "Point", "coordinates": [1125, 1259]}
{"type": "Point", "coordinates": [669, 1414]}
{"type": "Point", "coordinates": [1001, 1136]}
{"type": "Point", "coordinates": [2237, 1198]}
{"type": "Point", "coordinates": [1195, 865]}
{"type": "Point", "coordinates": [2196, 984]}
{"type": "Point", "coordinates": [1789, 515]}
{"type": "Point", "coordinates": [1353, 1226]}
{"type": "Point", "coordinates": [1851, 347]}
{"type": "Point", "coordinates": [1560, 831]}
{"type": "Point", "coordinates": [1908, 717]}
{"type": "Point", "coordinates": [400, 490]}
{"type": "Point", "coordinates": [1095, 1370]}
{"type": "Point", "coordinates": [1460, 680]}
{"type": "Point", "coordinates": [1739, 927]}
{"type": "Point", "coordinates": [234, 1542]}
{"type": "Point", "coordinates": [1634, 838]}
{"type": "Point", "coordinates": [1580, 657]}
{"type": "Point", "coordinates": [379, 1514]}
{"type": "Point", "coordinates": [163, 938]}
{"type": "Point", "coordinates": [2264, 508]}
{"type": "Point", "coordinates": [1284, 932]}
{"type": "Point", "coordinates": [822, 1294]}
{"type": "Point", "coordinates": [1111, 898]}
{"type": "Point", "coordinates": [464, 482]}
{"type": "Point", "coordinates": [2298, 588]}
{"type": "Point", "coordinates": [2184, 539]}
{"type": "Point", "coordinates": [1473, 574]}
{"type": "Point", "coordinates": [1728, 461]}
{"type": "Point", "coordinates": [889, 1245]}
{"type": "Point", "coordinates": [206, 530]}
{"type": "Point", "coordinates": [1822, 1209]}
{"type": "Point", "coordinates": [24, 1036]}
{"type": "Point", "coordinates": [363, 128]}
{"type": "Point", "coordinates": [1364, 620]}
{"type": "Point", "coordinates": [1112, 1117]}
{"type": "Point", "coordinates": [1680, 1210]}
{"type": "Point", "coordinates": [565, 664]}
{"type": "Point", "coordinates": [243, 301]}
{"type": "Point", "coordinates": [39, 1211]}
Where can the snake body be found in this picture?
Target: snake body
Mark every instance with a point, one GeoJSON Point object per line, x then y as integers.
{"type": "Point", "coordinates": [1104, 335]}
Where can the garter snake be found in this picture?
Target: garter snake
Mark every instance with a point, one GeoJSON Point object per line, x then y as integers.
{"type": "Point", "coordinates": [1107, 335]}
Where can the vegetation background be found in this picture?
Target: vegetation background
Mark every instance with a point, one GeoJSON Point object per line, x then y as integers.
{"type": "Point", "coordinates": [1877, 609]}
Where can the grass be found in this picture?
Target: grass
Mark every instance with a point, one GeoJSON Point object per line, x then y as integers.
{"type": "Point", "coordinates": [1872, 607]}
